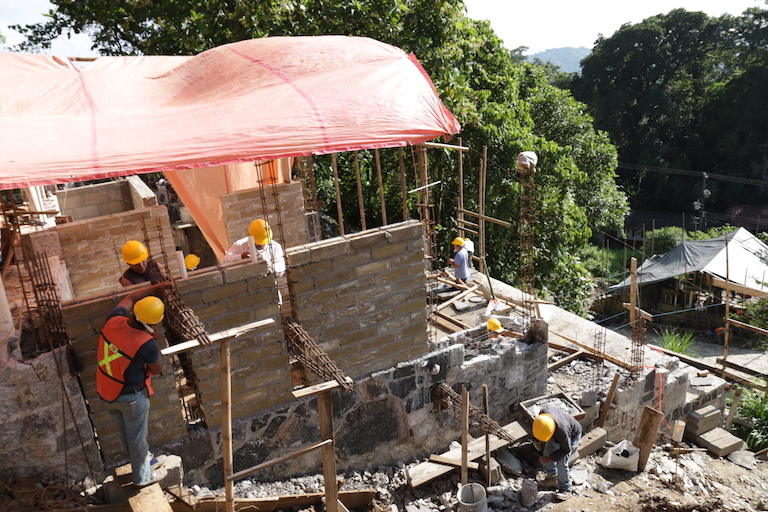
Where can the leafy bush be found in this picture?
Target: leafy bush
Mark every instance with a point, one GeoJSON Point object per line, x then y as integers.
{"type": "Point", "coordinates": [753, 409]}
{"type": "Point", "coordinates": [677, 341]}
{"type": "Point", "coordinates": [607, 263]}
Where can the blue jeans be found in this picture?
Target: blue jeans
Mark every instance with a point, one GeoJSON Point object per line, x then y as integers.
{"type": "Point", "coordinates": [131, 414]}
{"type": "Point", "coordinates": [559, 468]}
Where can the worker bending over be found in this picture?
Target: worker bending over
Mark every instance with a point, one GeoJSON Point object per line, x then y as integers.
{"type": "Point", "coordinates": [460, 261]}
{"type": "Point", "coordinates": [128, 356]}
{"type": "Point", "coordinates": [140, 267]}
{"type": "Point", "coordinates": [561, 434]}
{"type": "Point", "coordinates": [266, 249]}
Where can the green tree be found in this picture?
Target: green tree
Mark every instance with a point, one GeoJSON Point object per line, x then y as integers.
{"type": "Point", "coordinates": [502, 103]}
{"type": "Point", "coordinates": [646, 85]}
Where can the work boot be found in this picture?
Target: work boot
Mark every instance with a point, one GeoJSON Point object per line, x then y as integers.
{"type": "Point", "coordinates": [561, 495]}
{"type": "Point", "coordinates": [548, 483]}
{"type": "Point", "coordinates": [157, 476]}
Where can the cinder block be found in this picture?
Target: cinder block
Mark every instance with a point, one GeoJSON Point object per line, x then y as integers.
{"type": "Point", "coordinates": [721, 442]}
{"type": "Point", "coordinates": [592, 441]}
{"type": "Point", "coordinates": [702, 420]}
{"type": "Point", "coordinates": [700, 415]}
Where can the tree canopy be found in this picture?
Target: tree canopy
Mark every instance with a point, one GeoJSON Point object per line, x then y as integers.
{"type": "Point", "coordinates": [683, 91]}
{"type": "Point", "coordinates": [501, 102]}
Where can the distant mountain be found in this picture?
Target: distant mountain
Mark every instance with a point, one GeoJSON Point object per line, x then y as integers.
{"type": "Point", "coordinates": [567, 58]}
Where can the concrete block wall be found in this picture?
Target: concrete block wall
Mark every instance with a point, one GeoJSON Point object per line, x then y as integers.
{"type": "Point", "coordinates": [141, 195]}
{"type": "Point", "coordinates": [97, 200]}
{"type": "Point", "coordinates": [668, 388]}
{"type": "Point", "coordinates": [244, 206]}
{"type": "Point", "coordinates": [91, 247]}
{"type": "Point", "coordinates": [36, 436]}
{"type": "Point", "coordinates": [222, 298]}
{"type": "Point", "coordinates": [363, 296]}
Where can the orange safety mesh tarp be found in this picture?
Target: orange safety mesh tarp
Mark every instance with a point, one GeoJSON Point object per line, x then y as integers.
{"type": "Point", "coordinates": [201, 189]}
{"type": "Point", "coordinates": [252, 100]}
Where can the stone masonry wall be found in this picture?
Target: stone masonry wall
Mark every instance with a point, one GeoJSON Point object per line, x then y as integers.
{"type": "Point", "coordinates": [36, 435]}
{"type": "Point", "coordinates": [243, 207]}
{"type": "Point", "coordinates": [91, 247]}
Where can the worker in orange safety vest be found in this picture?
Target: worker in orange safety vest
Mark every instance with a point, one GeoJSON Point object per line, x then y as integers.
{"type": "Point", "coordinates": [128, 356]}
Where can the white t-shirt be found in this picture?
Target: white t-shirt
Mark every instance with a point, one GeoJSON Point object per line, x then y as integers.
{"type": "Point", "coordinates": [272, 253]}
{"type": "Point", "coordinates": [469, 245]}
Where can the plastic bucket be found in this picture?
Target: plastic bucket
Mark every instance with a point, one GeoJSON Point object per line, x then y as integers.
{"type": "Point", "coordinates": [472, 498]}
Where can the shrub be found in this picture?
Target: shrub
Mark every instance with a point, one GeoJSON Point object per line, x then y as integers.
{"type": "Point", "coordinates": [753, 410]}
{"type": "Point", "coordinates": [677, 341]}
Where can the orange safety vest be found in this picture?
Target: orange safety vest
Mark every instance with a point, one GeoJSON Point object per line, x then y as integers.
{"type": "Point", "coordinates": [118, 345]}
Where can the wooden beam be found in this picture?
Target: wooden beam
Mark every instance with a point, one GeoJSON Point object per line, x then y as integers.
{"type": "Point", "coordinates": [339, 216]}
{"type": "Point", "coordinates": [426, 471]}
{"type": "Point", "coordinates": [704, 366]}
{"type": "Point", "coordinates": [464, 434]}
{"type": "Point", "coordinates": [317, 388]}
{"type": "Point", "coordinates": [742, 325]}
{"type": "Point", "coordinates": [605, 356]}
{"type": "Point", "coordinates": [564, 361]}
{"type": "Point", "coordinates": [474, 466]}
{"type": "Point", "coordinates": [442, 315]}
{"type": "Point", "coordinates": [738, 367]}
{"type": "Point", "coordinates": [608, 400]}
{"type": "Point", "coordinates": [456, 298]}
{"type": "Point", "coordinates": [734, 408]}
{"type": "Point", "coordinates": [646, 434]}
{"type": "Point", "coordinates": [445, 146]}
{"type": "Point", "coordinates": [738, 288]}
{"type": "Point", "coordinates": [278, 460]}
{"type": "Point", "coordinates": [643, 314]}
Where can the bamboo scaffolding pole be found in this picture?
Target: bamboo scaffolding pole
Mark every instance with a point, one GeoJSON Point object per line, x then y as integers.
{"type": "Point", "coordinates": [460, 205]}
{"type": "Point", "coordinates": [381, 187]}
{"type": "Point", "coordinates": [360, 202]}
{"type": "Point", "coordinates": [464, 434]}
{"type": "Point", "coordinates": [483, 165]}
{"type": "Point", "coordinates": [403, 192]}
{"type": "Point", "coordinates": [339, 215]}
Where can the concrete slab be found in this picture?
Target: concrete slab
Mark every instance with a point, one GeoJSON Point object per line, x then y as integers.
{"type": "Point", "coordinates": [592, 441]}
{"type": "Point", "coordinates": [720, 442]}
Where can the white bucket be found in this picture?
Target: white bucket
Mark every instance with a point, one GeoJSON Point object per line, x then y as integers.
{"type": "Point", "coordinates": [472, 498]}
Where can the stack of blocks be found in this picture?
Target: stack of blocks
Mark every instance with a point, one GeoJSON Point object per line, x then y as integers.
{"type": "Point", "coordinates": [703, 429]}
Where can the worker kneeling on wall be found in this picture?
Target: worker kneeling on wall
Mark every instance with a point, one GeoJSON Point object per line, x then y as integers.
{"type": "Point", "coordinates": [267, 249]}
{"type": "Point", "coordinates": [128, 356]}
{"type": "Point", "coordinates": [560, 433]}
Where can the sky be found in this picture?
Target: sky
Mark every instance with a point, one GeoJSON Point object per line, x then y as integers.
{"type": "Point", "coordinates": [538, 24]}
{"type": "Point", "coordinates": [544, 24]}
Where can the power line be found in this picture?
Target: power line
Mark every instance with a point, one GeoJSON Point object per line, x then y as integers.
{"type": "Point", "coordinates": [683, 172]}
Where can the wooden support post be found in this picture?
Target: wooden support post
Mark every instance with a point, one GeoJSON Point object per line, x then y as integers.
{"type": "Point", "coordinates": [339, 215]}
{"type": "Point", "coordinates": [325, 417]}
{"type": "Point", "coordinates": [727, 334]}
{"type": "Point", "coordinates": [608, 400]}
{"type": "Point", "coordinates": [646, 434]}
{"type": "Point", "coordinates": [487, 437]}
{"type": "Point", "coordinates": [403, 189]}
{"type": "Point", "coordinates": [360, 202]}
{"type": "Point", "coordinates": [460, 206]}
{"type": "Point", "coordinates": [481, 210]}
{"type": "Point", "coordinates": [226, 422]}
{"type": "Point", "coordinates": [734, 408]}
{"type": "Point", "coordinates": [464, 434]}
{"type": "Point", "coordinates": [381, 188]}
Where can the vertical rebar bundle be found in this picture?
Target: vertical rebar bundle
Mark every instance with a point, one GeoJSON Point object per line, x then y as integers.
{"type": "Point", "coordinates": [527, 234]}
{"type": "Point", "coordinates": [599, 368]}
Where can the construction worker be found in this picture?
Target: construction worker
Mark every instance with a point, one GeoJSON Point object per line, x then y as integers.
{"type": "Point", "coordinates": [141, 268]}
{"type": "Point", "coordinates": [560, 433]}
{"type": "Point", "coordinates": [460, 261]}
{"type": "Point", "coordinates": [191, 261]}
{"type": "Point", "coordinates": [128, 356]}
{"type": "Point", "coordinates": [266, 249]}
{"type": "Point", "coordinates": [469, 246]}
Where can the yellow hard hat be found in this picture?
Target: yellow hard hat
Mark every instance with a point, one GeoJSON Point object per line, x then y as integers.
{"type": "Point", "coordinates": [543, 427]}
{"type": "Point", "coordinates": [134, 252]}
{"type": "Point", "coordinates": [149, 310]}
{"type": "Point", "coordinates": [458, 241]}
{"type": "Point", "coordinates": [191, 261]}
{"type": "Point", "coordinates": [494, 325]}
{"type": "Point", "coordinates": [260, 231]}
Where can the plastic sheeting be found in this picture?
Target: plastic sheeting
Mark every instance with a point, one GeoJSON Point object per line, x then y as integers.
{"type": "Point", "coordinates": [746, 258]}
{"type": "Point", "coordinates": [247, 101]}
